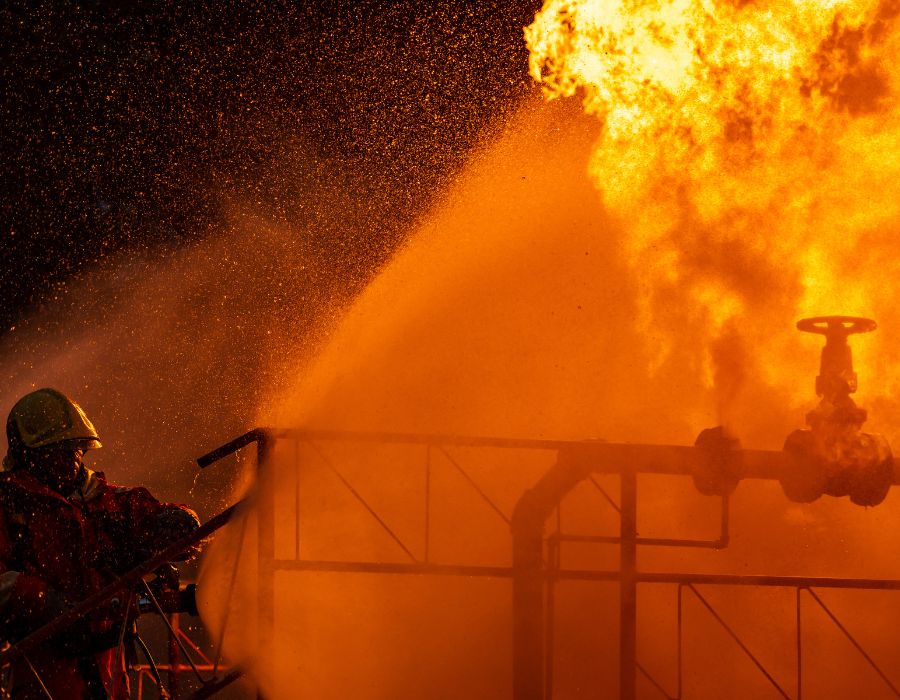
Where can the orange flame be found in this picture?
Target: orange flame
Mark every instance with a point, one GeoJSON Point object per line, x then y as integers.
{"type": "Point", "coordinates": [749, 144]}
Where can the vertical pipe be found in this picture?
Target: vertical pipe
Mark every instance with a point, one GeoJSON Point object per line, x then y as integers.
{"type": "Point", "coordinates": [724, 535]}
{"type": "Point", "coordinates": [680, 642]}
{"type": "Point", "coordinates": [174, 658]}
{"type": "Point", "coordinates": [799, 650]}
{"type": "Point", "coordinates": [527, 524]}
{"type": "Point", "coordinates": [297, 500]}
{"type": "Point", "coordinates": [553, 557]}
{"type": "Point", "coordinates": [628, 587]}
{"type": "Point", "coordinates": [427, 503]}
{"type": "Point", "coordinates": [266, 550]}
{"type": "Point", "coordinates": [528, 599]}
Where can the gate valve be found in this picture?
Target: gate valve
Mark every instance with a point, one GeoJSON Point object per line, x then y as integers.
{"type": "Point", "coordinates": [837, 380]}
{"type": "Point", "coordinates": [834, 457]}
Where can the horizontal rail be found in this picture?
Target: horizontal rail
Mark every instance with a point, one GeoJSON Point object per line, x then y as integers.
{"type": "Point", "coordinates": [144, 668]}
{"type": "Point", "coordinates": [603, 457]}
{"type": "Point", "coordinates": [588, 575]}
{"type": "Point", "coordinates": [375, 437]}
{"type": "Point", "coordinates": [755, 580]}
{"type": "Point", "coordinates": [365, 567]}
{"type": "Point", "coordinates": [648, 541]}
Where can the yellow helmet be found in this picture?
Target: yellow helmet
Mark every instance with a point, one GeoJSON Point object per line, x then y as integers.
{"type": "Point", "coordinates": [47, 417]}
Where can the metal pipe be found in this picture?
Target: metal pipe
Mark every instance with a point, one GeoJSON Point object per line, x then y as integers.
{"type": "Point", "coordinates": [228, 448]}
{"type": "Point", "coordinates": [628, 587]}
{"type": "Point", "coordinates": [529, 516]}
{"type": "Point", "coordinates": [721, 542]}
{"type": "Point", "coordinates": [603, 457]}
{"type": "Point", "coordinates": [553, 558]}
{"type": "Point", "coordinates": [420, 569]}
{"type": "Point", "coordinates": [265, 520]}
{"type": "Point", "coordinates": [576, 460]}
{"type": "Point", "coordinates": [174, 671]}
{"type": "Point", "coordinates": [737, 580]}
{"type": "Point", "coordinates": [799, 646]}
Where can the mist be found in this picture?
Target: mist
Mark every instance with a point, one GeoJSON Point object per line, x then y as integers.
{"type": "Point", "coordinates": [520, 304]}
{"type": "Point", "coordinates": [515, 310]}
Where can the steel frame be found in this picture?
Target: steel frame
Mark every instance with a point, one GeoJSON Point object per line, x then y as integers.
{"type": "Point", "coordinates": [533, 575]}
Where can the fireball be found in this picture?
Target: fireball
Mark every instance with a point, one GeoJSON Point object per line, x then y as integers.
{"type": "Point", "coordinates": [749, 147]}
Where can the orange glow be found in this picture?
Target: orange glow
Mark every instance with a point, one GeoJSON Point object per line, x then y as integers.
{"type": "Point", "coordinates": [510, 312]}
{"type": "Point", "coordinates": [741, 141]}
{"type": "Point", "coordinates": [743, 151]}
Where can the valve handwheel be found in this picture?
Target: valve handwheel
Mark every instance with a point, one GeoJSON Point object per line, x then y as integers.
{"type": "Point", "coordinates": [836, 326]}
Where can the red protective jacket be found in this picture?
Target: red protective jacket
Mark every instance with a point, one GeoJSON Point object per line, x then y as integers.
{"type": "Point", "coordinates": [56, 551]}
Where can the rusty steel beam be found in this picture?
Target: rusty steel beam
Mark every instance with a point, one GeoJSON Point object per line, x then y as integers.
{"type": "Point", "coordinates": [603, 457]}
{"type": "Point", "coordinates": [661, 577]}
{"type": "Point", "coordinates": [628, 588]}
{"type": "Point", "coordinates": [365, 567]}
{"type": "Point", "coordinates": [761, 580]}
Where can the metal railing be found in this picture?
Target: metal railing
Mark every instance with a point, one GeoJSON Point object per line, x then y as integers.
{"type": "Point", "coordinates": [535, 568]}
{"type": "Point", "coordinates": [575, 462]}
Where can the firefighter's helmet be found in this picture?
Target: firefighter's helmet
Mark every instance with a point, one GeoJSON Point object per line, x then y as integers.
{"type": "Point", "coordinates": [48, 417]}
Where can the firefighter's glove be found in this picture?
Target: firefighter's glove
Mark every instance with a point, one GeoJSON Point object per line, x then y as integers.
{"type": "Point", "coordinates": [171, 525]}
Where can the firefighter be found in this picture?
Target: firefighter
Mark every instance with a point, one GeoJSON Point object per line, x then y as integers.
{"type": "Point", "coordinates": [65, 533]}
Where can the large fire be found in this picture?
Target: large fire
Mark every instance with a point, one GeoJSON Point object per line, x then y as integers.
{"type": "Point", "coordinates": [745, 154]}
{"type": "Point", "coordinates": [750, 145]}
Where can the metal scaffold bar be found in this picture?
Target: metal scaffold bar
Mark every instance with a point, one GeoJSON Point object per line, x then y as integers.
{"type": "Point", "coordinates": [362, 501]}
{"type": "Point", "coordinates": [487, 499]}
{"type": "Point", "coordinates": [655, 683]}
{"type": "Point", "coordinates": [599, 457]}
{"type": "Point", "coordinates": [628, 589]}
{"type": "Point", "coordinates": [734, 636]}
{"type": "Point", "coordinates": [837, 623]}
{"type": "Point", "coordinates": [419, 569]}
{"type": "Point", "coordinates": [754, 580]}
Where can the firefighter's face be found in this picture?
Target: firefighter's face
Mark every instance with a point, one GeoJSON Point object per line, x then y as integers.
{"type": "Point", "coordinates": [58, 466]}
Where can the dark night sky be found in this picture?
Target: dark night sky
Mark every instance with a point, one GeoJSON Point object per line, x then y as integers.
{"type": "Point", "coordinates": [125, 125]}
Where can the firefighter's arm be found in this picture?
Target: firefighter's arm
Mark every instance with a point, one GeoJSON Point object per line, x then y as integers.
{"type": "Point", "coordinates": [26, 601]}
{"type": "Point", "coordinates": [155, 525]}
